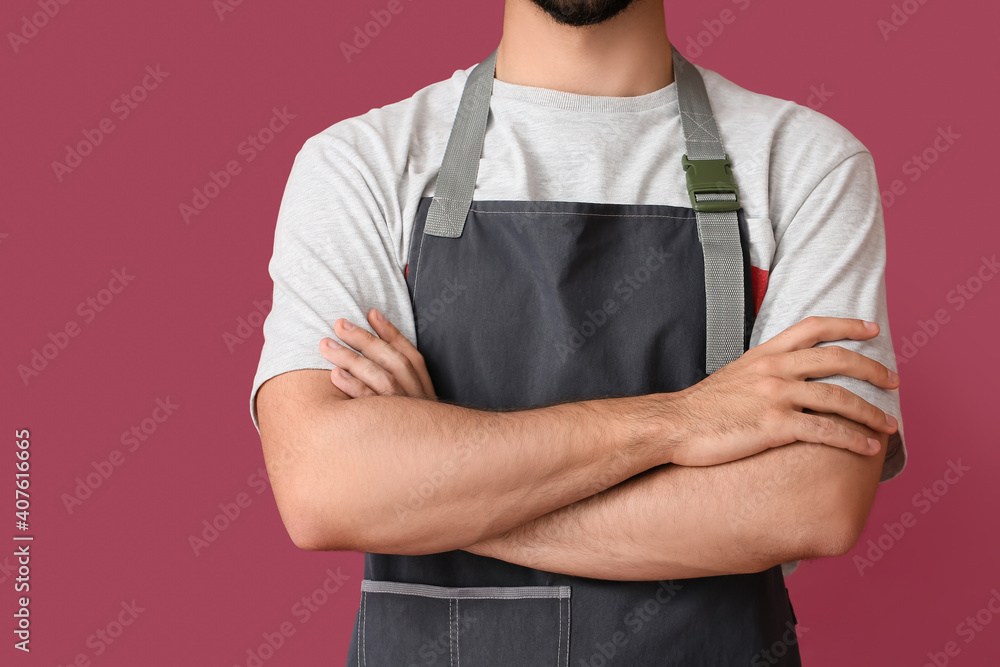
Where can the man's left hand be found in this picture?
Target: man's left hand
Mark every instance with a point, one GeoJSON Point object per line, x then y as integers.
{"type": "Point", "coordinates": [388, 364]}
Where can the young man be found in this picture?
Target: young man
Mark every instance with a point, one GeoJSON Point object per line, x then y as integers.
{"type": "Point", "coordinates": [623, 276]}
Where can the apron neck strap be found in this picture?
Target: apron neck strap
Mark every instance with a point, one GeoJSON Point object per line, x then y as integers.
{"type": "Point", "coordinates": [702, 140]}
{"type": "Point", "coordinates": [711, 187]}
{"type": "Point", "coordinates": [715, 200]}
{"type": "Point", "coordinates": [460, 167]}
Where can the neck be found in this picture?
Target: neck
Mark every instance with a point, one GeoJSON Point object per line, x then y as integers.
{"type": "Point", "coordinates": [625, 56]}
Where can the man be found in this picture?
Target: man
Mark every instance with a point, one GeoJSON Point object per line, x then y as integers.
{"type": "Point", "coordinates": [609, 437]}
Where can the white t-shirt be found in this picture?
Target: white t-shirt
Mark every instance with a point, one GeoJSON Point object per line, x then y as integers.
{"type": "Point", "coordinates": [807, 186]}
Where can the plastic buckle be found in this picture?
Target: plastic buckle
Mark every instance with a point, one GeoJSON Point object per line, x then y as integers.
{"type": "Point", "coordinates": [711, 177]}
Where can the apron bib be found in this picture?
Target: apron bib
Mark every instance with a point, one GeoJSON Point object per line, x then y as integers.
{"type": "Point", "coordinates": [520, 304]}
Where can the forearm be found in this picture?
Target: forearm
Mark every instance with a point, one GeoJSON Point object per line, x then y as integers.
{"type": "Point", "coordinates": [395, 474]}
{"type": "Point", "coordinates": [798, 501]}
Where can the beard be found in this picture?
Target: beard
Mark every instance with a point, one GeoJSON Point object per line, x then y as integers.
{"type": "Point", "coordinates": [583, 12]}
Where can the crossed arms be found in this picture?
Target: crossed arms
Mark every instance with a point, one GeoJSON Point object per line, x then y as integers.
{"type": "Point", "coordinates": [752, 467]}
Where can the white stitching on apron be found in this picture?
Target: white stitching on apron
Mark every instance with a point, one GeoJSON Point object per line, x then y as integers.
{"type": "Point", "coordinates": [465, 593]}
{"type": "Point", "coordinates": [569, 619]}
{"type": "Point", "coordinates": [559, 639]}
{"type": "Point", "coordinates": [606, 215]}
{"type": "Point", "coordinates": [364, 618]}
{"type": "Point", "coordinates": [416, 267]}
{"type": "Point", "coordinates": [451, 640]}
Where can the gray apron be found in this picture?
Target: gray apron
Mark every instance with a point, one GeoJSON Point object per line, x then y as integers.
{"type": "Point", "coordinates": [520, 304]}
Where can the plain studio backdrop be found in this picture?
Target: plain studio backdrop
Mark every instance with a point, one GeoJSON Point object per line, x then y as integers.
{"type": "Point", "coordinates": [145, 150]}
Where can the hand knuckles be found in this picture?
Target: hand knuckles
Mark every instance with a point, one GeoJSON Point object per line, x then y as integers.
{"type": "Point", "coordinates": [838, 354]}
{"type": "Point", "coordinates": [825, 425]}
{"type": "Point", "coordinates": [769, 385]}
{"type": "Point", "coordinates": [825, 392]}
{"type": "Point", "coordinates": [407, 364]}
{"type": "Point", "coordinates": [389, 358]}
{"type": "Point", "coordinates": [370, 368]}
{"type": "Point", "coordinates": [866, 408]}
{"type": "Point", "coordinates": [859, 438]}
{"type": "Point", "coordinates": [839, 395]}
{"type": "Point", "coordinates": [814, 356]}
{"type": "Point", "coordinates": [767, 364]}
{"type": "Point", "coordinates": [817, 325]}
{"type": "Point", "coordinates": [382, 386]}
{"type": "Point", "coordinates": [773, 414]}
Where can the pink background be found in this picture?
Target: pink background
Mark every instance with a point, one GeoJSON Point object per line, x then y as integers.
{"type": "Point", "coordinates": [164, 336]}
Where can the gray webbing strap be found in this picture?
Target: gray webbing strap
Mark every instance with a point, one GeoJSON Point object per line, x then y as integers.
{"type": "Point", "coordinates": [713, 195]}
{"type": "Point", "coordinates": [701, 135]}
{"type": "Point", "coordinates": [718, 230]}
{"type": "Point", "coordinates": [460, 167]}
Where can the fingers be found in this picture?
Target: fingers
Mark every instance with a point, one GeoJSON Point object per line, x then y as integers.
{"type": "Point", "coordinates": [814, 330]}
{"type": "Point", "coordinates": [349, 384]}
{"type": "Point", "coordinates": [826, 430]}
{"type": "Point", "coordinates": [390, 334]}
{"type": "Point", "coordinates": [820, 362]}
{"type": "Point", "coordinates": [823, 397]}
{"type": "Point", "coordinates": [388, 362]}
{"type": "Point", "coordinates": [376, 377]}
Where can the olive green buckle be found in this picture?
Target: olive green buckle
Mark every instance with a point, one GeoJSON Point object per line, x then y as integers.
{"type": "Point", "coordinates": [711, 177]}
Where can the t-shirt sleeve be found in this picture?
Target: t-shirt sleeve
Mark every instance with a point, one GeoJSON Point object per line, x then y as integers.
{"type": "Point", "coordinates": [334, 256]}
{"type": "Point", "coordinates": [829, 260]}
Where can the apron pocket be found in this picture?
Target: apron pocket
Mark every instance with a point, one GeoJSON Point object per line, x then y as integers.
{"type": "Point", "coordinates": [413, 625]}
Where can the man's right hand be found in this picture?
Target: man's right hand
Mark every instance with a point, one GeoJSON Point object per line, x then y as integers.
{"type": "Point", "coordinates": [762, 399]}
